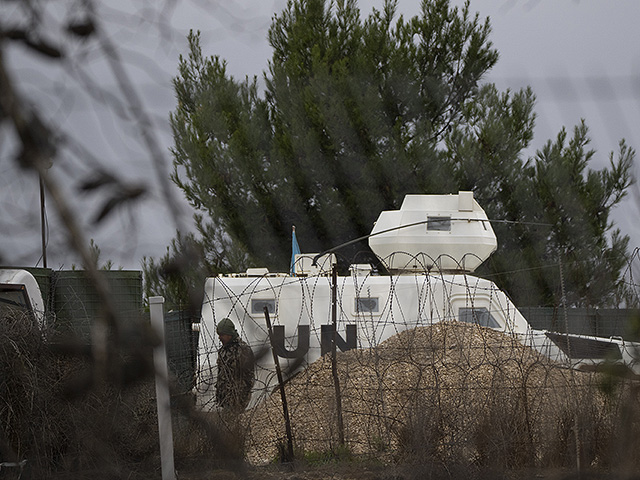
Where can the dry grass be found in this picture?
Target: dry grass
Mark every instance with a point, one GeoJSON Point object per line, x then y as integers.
{"type": "Point", "coordinates": [63, 418]}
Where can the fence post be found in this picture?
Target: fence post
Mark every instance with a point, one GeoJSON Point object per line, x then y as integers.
{"type": "Point", "coordinates": [576, 423]}
{"type": "Point", "coordinates": [285, 409]}
{"type": "Point", "coordinates": [334, 360]}
{"type": "Point", "coordinates": [163, 399]}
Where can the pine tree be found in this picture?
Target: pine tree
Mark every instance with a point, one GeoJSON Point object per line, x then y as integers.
{"type": "Point", "coordinates": [356, 114]}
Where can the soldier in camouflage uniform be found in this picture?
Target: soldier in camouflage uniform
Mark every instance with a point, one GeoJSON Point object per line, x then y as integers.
{"type": "Point", "coordinates": [235, 369]}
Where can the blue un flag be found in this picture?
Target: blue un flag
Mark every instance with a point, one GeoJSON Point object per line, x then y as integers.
{"type": "Point", "coordinates": [295, 249]}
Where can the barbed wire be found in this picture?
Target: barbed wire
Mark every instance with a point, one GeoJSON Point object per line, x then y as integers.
{"type": "Point", "coordinates": [412, 362]}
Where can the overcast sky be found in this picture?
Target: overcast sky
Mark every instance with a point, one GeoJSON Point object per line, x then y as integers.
{"type": "Point", "coordinates": [582, 59]}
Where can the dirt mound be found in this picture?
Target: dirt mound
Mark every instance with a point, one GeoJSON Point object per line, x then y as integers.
{"type": "Point", "coordinates": [444, 391]}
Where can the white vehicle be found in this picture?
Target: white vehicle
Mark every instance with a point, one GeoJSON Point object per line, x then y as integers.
{"type": "Point", "coordinates": [19, 292]}
{"type": "Point", "coordinates": [431, 246]}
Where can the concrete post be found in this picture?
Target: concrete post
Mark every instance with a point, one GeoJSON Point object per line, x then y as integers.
{"type": "Point", "coordinates": [163, 399]}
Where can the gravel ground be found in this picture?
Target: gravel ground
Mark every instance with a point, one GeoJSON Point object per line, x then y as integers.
{"type": "Point", "coordinates": [448, 391]}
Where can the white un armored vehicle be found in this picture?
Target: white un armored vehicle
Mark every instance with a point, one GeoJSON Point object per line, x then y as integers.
{"type": "Point", "coordinates": [431, 246]}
